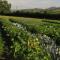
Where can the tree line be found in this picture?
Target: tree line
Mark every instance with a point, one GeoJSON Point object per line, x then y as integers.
{"type": "Point", "coordinates": [35, 14]}
{"type": "Point", "coordinates": [5, 9]}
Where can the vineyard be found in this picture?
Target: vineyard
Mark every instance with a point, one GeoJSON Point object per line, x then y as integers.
{"type": "Point", "coordinates": [29, 39]}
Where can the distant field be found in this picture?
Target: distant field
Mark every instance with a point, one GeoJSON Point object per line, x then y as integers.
{"type": "Point", "coordinates": [30, 20]}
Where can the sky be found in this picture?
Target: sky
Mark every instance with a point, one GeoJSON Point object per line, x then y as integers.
{"type": "Point", "coordinates": [26, 4]}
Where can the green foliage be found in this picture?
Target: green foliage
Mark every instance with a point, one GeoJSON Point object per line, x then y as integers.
{"type": "Point", "coordinates": [4, 7]}
{"type": "Point", "coordinates": [22, 45]}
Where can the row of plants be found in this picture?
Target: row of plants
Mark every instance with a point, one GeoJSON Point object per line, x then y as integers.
{"type": "Point", "coordinates": [21, 44]}
{"type": "Point", "coordinates": [47, 27]}
{"type": "Point", "coordinates": [48, 43]}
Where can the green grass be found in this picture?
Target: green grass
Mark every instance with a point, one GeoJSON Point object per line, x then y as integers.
{"type": "Point", "coordinates": [54, 11]}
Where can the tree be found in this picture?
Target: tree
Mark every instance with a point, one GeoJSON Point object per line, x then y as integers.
{"type": "Point", "coordinates": [4, 7]}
